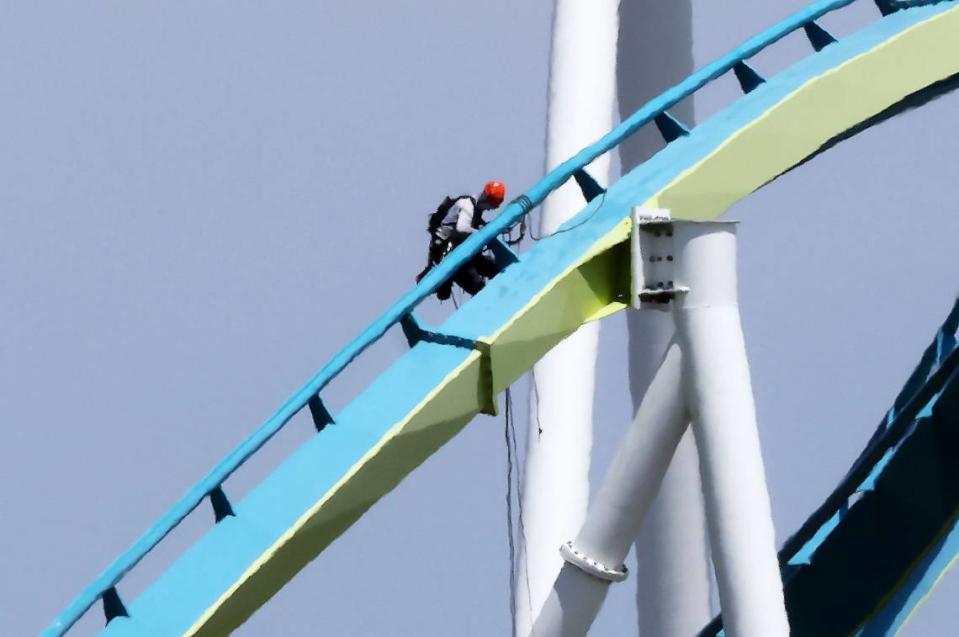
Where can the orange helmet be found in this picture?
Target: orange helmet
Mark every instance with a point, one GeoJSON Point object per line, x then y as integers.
{"type": "Point", "coordinates": [494, 192]}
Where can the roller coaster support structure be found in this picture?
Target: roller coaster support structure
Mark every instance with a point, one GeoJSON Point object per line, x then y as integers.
{"type": "Point", "coordinates": [704, 378]}
{"type": "Point", "coordinates": [555, 494]}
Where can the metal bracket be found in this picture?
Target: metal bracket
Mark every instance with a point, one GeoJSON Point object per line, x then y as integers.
{"type": "Point", "coordinates": [221, 504]}
{"type": "Point", "coordinates": [587, 185]}
{"type": "Point", "coordinates": [749, 79]}
{"type": "Point", "coordinates": [502, 253]}
{"type": "Point", "coordinates": [415, 332]}
{"type": "Point", "coordinates": [651, 241]}
{"type": "Point", "coordinates": [320, 413]}
{"type": "Point", "coordinates": [670, 128]}
{"type": "Point", "coordinates": [590, 566]}
{"type": "Point", "coordinates": [113, 606]}
{"type": "Point", "coordinates": [818, 37]}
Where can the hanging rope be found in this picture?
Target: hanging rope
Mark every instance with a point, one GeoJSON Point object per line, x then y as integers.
{"type": "Point", "coordinates": [512, 450]}
{"type": "Point", "coordinates": [509, 511]}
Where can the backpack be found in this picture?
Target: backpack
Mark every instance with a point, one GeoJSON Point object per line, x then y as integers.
{"type": "Point", "coordinates": [436, 219]}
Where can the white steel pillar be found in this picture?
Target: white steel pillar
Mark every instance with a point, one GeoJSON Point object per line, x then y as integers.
{"type": "Point", "coordinates": [720, 397]}
{"type": "Point", "coordinates": [672, 552]}
{"type": "Point", "coordinates": [672, 575]}
{"type": "Point", "coordinates": [705, 375]}
{"type": "Point", "coordinates": [618, 508]}
{"type": "Point", "coordinates": [581, 108]}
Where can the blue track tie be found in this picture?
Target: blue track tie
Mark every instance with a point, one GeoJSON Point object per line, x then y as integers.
{"type": "Point", "coordinates": [112, 605]}
{"type": "Point", "coordinates": [896, 5]}
{"type": "Point", "coordinates": [669, 127]}
{"type": "Point", "coordinates": [412, 329]}
{"type": "Point", "coordinates": [819, 38]}
{"type": "Point", "coordinates": [749, 79]}
{"type": "Point", "coordinates": [885, 7]}
{"type": "Point", "coordinates": [415, 333]}
{"type": "Point", "coordinates": [503, 254]}
{"type": "Point", "coordinates": [587, 185]}
{"type": "Point", "coordinates": [321, 415]}
{"type": "Point", "coordinates": [221, 504]}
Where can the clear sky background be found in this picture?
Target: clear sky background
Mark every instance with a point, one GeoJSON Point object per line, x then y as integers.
{"type": "Point", "coordinates": [201, 203]}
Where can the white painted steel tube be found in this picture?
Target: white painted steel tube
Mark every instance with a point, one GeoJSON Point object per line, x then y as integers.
{"type": "Point", "coordinates": [724, 421]}
{"type": "Point", "coordinates": [617, 509]}
{"type": "Point", "coordinates": [556, 484]}
{"type": "Point", "coordinates": [672, 553]}
{"type": "Point", "coordinates": [672, 556]}
{"type": "Point", "coordinates": [556, 476]}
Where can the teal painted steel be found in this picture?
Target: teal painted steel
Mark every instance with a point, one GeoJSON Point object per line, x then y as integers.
{"type": "Point", "coordinates": [749, 79]}
{"type": "Point", "coordinates": [587, 185]}
{"type": "Point", "coordinates": [819, 38]}
{"type": "Point", "coordinates": [208, 568]}
{"type": "Point", "coordinates": [890, 524]}
{"type": "Point", "coordinates": [897, 611]}
{"type": "Point", "coordinates": [237, 537]}
{"type": "Point", "coordinates": [669, 127]}
{"type": "Point", "coordinates": [920, 390]}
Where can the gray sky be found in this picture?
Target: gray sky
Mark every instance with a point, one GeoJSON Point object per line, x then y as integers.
{"type": "Point", "coordinates": [199, 205]}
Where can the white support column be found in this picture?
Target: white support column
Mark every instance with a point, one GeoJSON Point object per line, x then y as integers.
{"type": "Point", "coordinates": [672, 553]}
{"type": "Point", "coordinates": [705, 374]}
{"type": "Point", "coordinates": [672, 556]}
{"type": "Point", "coordinates": [720, 398]}
{"type": "Point", "coordinates": [618, 508]}
{"type": "Point", "coordinates": [556, 480]}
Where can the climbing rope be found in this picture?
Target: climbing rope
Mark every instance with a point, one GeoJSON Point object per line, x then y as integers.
{"type": "Point", "coordinates": [512, 451]}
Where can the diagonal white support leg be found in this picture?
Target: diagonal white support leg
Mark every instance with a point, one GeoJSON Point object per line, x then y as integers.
{"type": "Point", "coordinates": [705, 368]}
{"type": "Point", "coordinates": [617, 510]}
{"type": "Point", "coordinates": [724, 422]}
{"type": "Point", "coordinates": [672, 551]}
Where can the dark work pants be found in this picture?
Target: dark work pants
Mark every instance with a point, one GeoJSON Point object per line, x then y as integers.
{"type": "Point", "coordinates": [471, 277]}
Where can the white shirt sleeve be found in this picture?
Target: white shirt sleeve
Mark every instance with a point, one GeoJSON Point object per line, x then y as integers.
{"type": "Point", "coordinates": [462, 213]}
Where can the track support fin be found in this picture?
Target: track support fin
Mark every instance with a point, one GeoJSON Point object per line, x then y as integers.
{"type": "Point", "coordinates": [112, 605]}
{"type": "Point", "coordinates": [321, 415]}
{"type": "Point", "coordinates": [589, 186]}
{"type": "Point", "coordinates": [819, 38]}
{"type": "Point", "coordinates": [885, 7]}
{"type": "Point", "coordinates": [670, 128]}
{"type": "Point", "coordinates": [749, 79]}
{"type": "Point", "coordinates": [503, 254]}
{"type": "Point", "coordinates": [221, 504]}
{"type": "Point", "coordinates": [415, 333]}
